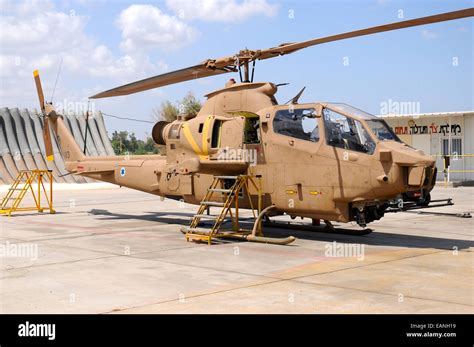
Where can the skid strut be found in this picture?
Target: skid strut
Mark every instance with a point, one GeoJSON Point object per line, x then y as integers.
{"type": "Point", "coordinates": [228, 190]}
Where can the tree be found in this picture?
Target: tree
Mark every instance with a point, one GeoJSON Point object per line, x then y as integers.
{"type": "Point", "coordinates": [190, 105]}
{"type": "Point", "coordinates": [124, 142]}
{"type": "Point", "coordinates": [168, 111]}
{"type": "Point", "coordinates": [120, 142]}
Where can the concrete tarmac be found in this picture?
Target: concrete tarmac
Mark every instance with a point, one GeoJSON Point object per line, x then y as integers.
{"type": "Point", "coordinates": [115, 250]}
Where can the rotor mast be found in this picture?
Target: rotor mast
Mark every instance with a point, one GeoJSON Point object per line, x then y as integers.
{"type": "Point", "coordinates": [242, 62]}
{"type": "Point", "coordinates": [246, 72]}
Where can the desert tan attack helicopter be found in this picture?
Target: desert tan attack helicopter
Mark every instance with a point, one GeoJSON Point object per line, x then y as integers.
{"type": "Point", "coordinates": [318, 160]}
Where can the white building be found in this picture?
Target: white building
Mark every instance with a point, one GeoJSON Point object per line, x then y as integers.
{"type": "Point", "coordinates": [440, 134]}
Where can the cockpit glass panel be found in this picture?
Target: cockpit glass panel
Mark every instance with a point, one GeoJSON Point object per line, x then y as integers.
{"type": "Point", "coordinates": [381, 129]}
{"type": "Point", "coordinates": [347, 133]}
{"type": "Point", "coordinates": [298, 123]}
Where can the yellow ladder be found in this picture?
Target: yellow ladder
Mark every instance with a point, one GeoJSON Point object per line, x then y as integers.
{"type": "Point", "coordinates": [28, 178]}
{"type": "Point", "coordinates": [230, 189]}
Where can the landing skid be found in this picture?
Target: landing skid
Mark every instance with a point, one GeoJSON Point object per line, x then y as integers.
{"type": "Point", "coordinates": [328, 228]}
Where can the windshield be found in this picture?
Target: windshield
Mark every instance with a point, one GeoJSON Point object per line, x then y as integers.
{"type": "Point", "coordinates": [352, 110]}
{"type": "Point", "coordinates": [382, 130]}
{"type": "Point", "coordinates": [347, 133]}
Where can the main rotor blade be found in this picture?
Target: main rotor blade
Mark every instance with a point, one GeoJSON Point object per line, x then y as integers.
{"type": "Point", "coordinates": [39, 89]}
{"type": "Point", "coordinates": [193, 72]}
{"type": "Point", "coordinates": [47, 140]}
{"type": "Point", "coordinates": [292, 47]}
{"type": "Point", "coordinates": [213, 67]}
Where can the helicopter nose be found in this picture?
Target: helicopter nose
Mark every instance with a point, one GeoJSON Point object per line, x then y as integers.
{"type": "Point", "coordinates": [419, 168]}
{"type": "Point", "coordinates": [421, 176]}
{"type": "Point", "coordinates": [406, 156]}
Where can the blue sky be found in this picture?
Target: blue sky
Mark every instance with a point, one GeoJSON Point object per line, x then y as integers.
{"type": "Point", "coordinates": [107, 43]}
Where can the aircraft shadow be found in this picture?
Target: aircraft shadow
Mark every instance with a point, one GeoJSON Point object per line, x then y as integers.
{"type": "Point", "coordinates": [317, 234]}
{"type": "Point", "coordinates": [374, 238]}
{"type": "Point", "coordinates": [160, 217]}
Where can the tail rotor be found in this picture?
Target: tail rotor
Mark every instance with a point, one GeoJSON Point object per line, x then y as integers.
{"type": "Point", "coordinates": [48, 111]}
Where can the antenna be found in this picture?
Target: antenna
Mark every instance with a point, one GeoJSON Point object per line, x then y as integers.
{"type": "Point", "coordinates": [87, 127]}
{"type": "Point", "coordinates": [57, 77]}
{"type": "Point", "coordinates": [294, 100]}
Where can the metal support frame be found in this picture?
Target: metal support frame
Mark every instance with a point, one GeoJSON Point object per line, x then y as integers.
{"type": "Point", "coordinates": [28, 178]}
{"type": "Point", "coordinates": [230, 197]}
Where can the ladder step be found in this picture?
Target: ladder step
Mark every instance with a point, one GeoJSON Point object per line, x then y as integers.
{"type": "Point", "coordinates": [227, 177]}
{"type": "Point", "coordinates": [16, 188]}
{"type": "Point", "coordinates": [205, 216]}
{"type": "Point", "coordinates": [10, 198]}
{"type": "Point", "coordinates": [212, 203]}
{"type": "Point", "coordinates": [220, 190]}
{"type": "Point", "coordinates": [199, 231]}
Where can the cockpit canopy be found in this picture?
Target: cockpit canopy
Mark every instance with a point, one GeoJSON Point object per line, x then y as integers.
{"type": "Point", "coordinates": [345, 126]}
{"type": "Point", "coordinates": [350, 110]}
{"type": "Point", "coordinates": [378, 126]}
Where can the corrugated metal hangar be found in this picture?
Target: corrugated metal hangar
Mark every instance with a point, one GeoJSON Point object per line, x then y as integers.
{"type": "Point", "coordinates": [22, 145]}
{"type": "Point", "coordinates": [448, 134]}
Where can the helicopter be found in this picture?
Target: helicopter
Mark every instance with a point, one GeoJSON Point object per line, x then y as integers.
{"type": "Point", "coordinates": [324, 161]}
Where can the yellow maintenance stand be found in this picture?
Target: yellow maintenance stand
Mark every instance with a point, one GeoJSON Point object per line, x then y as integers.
{"type": "Point", "coordinates": [230, 193]}
{"type": "Point", "coordinates": [230, 189]}
{"type": "Point", "coordinates": [33, 181]}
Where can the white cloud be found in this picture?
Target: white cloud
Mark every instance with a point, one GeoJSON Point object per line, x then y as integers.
{"type": "Point", "coordinates": [38, 34]}
{"type": "Point", "coordinates": [146, 27]}
{"type": "Point", "coordinates": [34, 35]}
{"type": "Point", "coordinates": [429, 35]}
{"type": "Point", "coordinates": [41, 31]}
{"type": "Point", "coordinates": [26, 6]}
{"type": "Point", "coordinates": [32, 40]}
{"type": "Point", "coordinates": [221, 10]}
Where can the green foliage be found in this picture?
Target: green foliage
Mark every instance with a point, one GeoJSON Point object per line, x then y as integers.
{"type": "Point", "coordinates": [190, 105]}
{"type": "Point", "coordinates": [168, 111]}
{"type": "Point", "coordinates": [124, 142]}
